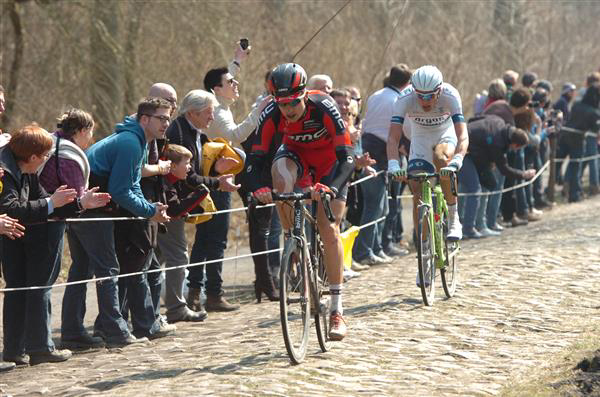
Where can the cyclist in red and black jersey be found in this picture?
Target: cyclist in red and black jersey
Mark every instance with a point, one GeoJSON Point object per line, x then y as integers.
{"type": "Point", "coordinates": [316, 152]}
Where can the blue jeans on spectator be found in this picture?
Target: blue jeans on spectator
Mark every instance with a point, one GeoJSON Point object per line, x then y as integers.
{"type": "Point", "coordinates": [493, 201]}
{"type": "Point", "coordinates": [398, 232]}
{"type": "Point", "coordinates": [32, 260]}
{"type": "Point", "coordinates": [391, 220]}
{"type": "Point", "coordinates": [92, 247]}
{"type": "Point", "coordinates": [469, 183]}
{"type": "Point", "coordinates": [573, 174]}
{"type": "Point", "coordinates": [273, 242]}
{"type": "Point", "coordinates": [374, 200]}
{"type": "Point", "coordinates": [591, 149]}
{"type": "Point", "coordinates": [155, 283]}
{"type": "Point", "coordinates": [134, 295]}
{"type": "Point", "coordinates": [209, 244]}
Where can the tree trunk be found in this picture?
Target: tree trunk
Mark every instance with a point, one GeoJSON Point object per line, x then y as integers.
{"type": "Point", "coordinates": [14, 11]}
{"type": "Point", "coordinates": [107, 76]}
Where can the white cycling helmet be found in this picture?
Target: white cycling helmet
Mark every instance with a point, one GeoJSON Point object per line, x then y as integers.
{"type": "Point", "coordinates": [427, 78]}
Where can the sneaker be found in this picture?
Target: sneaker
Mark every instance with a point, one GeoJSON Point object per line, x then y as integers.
{"type": "Point", "coordinates": [55, 356]}
{"type": "Point", "coordinates": [350, 274]}
{"type": "Point", "coordinates": [337, 326]}
{"type": "Point", "coordinates": [517, 221]}
{"type": "Point", "coordinates": [384, 257]}
{"type": "Point", "coordinates": [534, 215]}
{"type": "Point", "coordinates": [18, 359]}
{"type": "Point", "coordinates": [125, 341]}
{"type": "Point", "coordinates": [542, 203]}
{"type": "Point", "coordinates": [371, 260]}
{"type": "Point", "coordinates": [219, 304]}
{"type": "Point", "coordinates": [394, 251]}
{"type": "Point", "coordinates": [164, 329]}
{"type": "Point", "coordinates": [357, 267]}
{"type": "Point", "coordinates": [471, 233]}
{"type": "Point", "coordinates": [7, 366]}
{"type": "Point", "coordinates": [486, 232]}
{"type": "Point", "coordinates": [186, 314]}
{"type": "Point", "coordinates": [497, 227]}
{"type": "Point", "coordinates": [83, 342]}
{"type": "Point", "coordinates": [455, 232]}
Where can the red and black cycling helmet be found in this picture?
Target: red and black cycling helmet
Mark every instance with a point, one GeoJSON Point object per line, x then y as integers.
{"type": "Point", "coordinates": [287, 82]}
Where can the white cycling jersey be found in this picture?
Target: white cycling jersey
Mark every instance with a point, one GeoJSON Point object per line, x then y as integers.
{"type": "Point", "coordinates": [446, 112]}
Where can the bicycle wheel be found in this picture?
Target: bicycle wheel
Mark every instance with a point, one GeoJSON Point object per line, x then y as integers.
{"type": "Point", "coordinates": [322, 300]}
{"type": "Point", "coordinates": [294, 301]}
{"type": "Point", "coordinates": [449, 272]}
{"type": "Point", "coordinates": [425, 256]}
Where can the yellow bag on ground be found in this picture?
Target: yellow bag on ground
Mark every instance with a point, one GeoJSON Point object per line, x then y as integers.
{"type": "Point", "coordinates": [217, 148]}
{"type": "Point", "coordinates": [208, 206]}
{"type": "Point", "coordinates": [348, 238]}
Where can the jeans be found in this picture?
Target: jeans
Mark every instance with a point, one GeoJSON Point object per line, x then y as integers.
{"type": "Point", "coordinates": [493, 201]}
{"type": "Point", "coordinates": [209, 244]}
{"type": "Point", "coordinates": [374, 200]}
{"type": "Point", "coordinates": [390, 225]}
{"type": "Point", "coordinates": [155, 283]}
{"type": "Point", "coordinates": [509, 204]}
{"type": "Point", "coordinates": [398, 232]}
{"type": "Point", "coordinates": [469, 183]}
{"type": "Point", "coordinates": [274, 243]}
{"type": "Point", "coordinates": [573, 174]}
{"type": "Point", "coordinates": [92, 249]}
{"type": "Point", "coordinates": [173, 252]}
{"type": "Point", "coordinates": [32, 260]}
{"type": "Point", "coordinates": [591, 149]}
{"type": "Point", "coordinates": [134, 295]}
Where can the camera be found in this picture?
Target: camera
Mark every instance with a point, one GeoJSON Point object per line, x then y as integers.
{"type": "Point", "coordinates": [244, 43]}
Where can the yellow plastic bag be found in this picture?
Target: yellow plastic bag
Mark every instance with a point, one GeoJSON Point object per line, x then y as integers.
{"type": "Point", "coordinates": [217, 148]}
{"type": "Point", "coordinates": [348, 238]}
{"type": "Point", "coordinates": [208, 206]}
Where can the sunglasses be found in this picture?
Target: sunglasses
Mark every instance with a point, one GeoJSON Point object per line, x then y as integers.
{"type": "Point", "coordinates": [426, 97]}
{"type": "Point", "coordinates": [293, 102]}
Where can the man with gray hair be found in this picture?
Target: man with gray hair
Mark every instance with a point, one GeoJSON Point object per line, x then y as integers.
{"type": "Point", "coordinates": [321, 82]}
{"type": "Point", "coordinates": [195, 114]}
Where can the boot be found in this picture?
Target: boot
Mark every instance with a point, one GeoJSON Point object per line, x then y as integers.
{"type": "Point", "coordinates": [219, 304]}
{"type": "Point", "coordinates": [264, 280]}
{"type": "Point", "coordinates": [193, 300]}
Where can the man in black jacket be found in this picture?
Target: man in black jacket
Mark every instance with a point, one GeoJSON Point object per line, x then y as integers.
{"type": "Point", "coordinates": [195, 113]}
{"type": "Point", "coordinates": [490, 139]}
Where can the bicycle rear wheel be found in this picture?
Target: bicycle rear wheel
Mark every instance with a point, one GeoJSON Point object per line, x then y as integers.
{"type": "Point", "coordinates": [449, 272]}
{"type": "Point", "coordinates": [425, 256]}
{"type": "Point", "coordinates": [322, 300]}
{"type": "Point", "coordinates": [294, 301]}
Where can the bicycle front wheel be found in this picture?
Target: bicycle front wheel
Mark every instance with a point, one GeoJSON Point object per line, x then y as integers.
{"type": "Point", "coordinates": [294, 301]}
{"type": "Point", "coordinates": [322, 300]}
{"type": "Point", "coordinates": [449, 272]}
{"type": "Point", "coordinates": [425, 256]}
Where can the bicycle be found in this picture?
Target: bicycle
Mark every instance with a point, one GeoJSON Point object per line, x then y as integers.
{"type": "Point", "coordinates": [437, 252]}
{"type": "Point", "coordinates": [303, 279]}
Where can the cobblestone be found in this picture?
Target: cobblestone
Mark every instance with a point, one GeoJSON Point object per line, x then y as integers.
{"type": "Point", "coordinates": [521, 298]}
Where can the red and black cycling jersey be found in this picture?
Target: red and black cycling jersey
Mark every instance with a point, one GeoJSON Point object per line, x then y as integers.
{"type": "Point", "coordinates": [319, 133]}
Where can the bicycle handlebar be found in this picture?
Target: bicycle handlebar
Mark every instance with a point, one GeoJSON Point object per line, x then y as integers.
{"type": "Point", "coordinates": [325, 199]}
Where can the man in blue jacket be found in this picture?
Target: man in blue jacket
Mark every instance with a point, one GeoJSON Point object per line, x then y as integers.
{"type": "Point", "coordinates": [115, 164]}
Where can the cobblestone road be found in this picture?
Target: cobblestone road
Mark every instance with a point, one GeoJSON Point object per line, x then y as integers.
{"type": "Point", "coordinates": [521, 298]}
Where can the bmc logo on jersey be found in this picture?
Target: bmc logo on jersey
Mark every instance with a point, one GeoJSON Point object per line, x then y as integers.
{"type": "Point", "coordinates": [332, 107]}
{"type": "Point", "coordinates": [309, 137]}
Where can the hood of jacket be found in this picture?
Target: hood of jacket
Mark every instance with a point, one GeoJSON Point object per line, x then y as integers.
{"type": "Point", "coordinates": [9, 164]}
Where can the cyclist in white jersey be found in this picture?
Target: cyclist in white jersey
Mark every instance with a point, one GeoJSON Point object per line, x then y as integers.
{"type": "Point", "coordinates": [439, 140]}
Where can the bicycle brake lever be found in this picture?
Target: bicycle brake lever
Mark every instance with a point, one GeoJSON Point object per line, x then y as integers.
{"type": "Point", "coordinates": [326, 200]}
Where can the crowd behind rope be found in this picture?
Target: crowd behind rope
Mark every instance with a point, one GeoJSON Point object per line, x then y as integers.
{"type": "Point", "coordinates": [168, 160]}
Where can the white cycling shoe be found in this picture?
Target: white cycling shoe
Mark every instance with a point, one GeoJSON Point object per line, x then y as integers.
{"type": "Point", "coordinates": [454, 230]}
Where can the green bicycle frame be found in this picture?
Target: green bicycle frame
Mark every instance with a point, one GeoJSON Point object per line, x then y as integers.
{"type": "Point", "coordinates": [435, 216]}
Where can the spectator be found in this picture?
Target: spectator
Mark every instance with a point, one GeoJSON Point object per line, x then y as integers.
{"type": "Point", "coordinates": [496, 91]}
{"type": "Point", "coordinates": [528, 79]}
{"type": "Point", "coordinates": [195, 114]}
{"type": "Point", "coordinates": [321, 82]}
{"type": "Point", "coordinates": [563, 104]}
{"type": "Point", "coordinates": [68, 165]}
{"type": "Point", "coordinates": [8, 225]}
{"type": "Point", "coordinates": [518, 104]}
{"type": "Point", "coordinates": [33, 259]}
{"type": "Point", "coordinates": [211, 236]}
{"type": "Point", "coordinates": [510, 78]}
{"type": "Point", "coordinates": [355, 94]}
{"type": "Point", "coordinates": [368, 247]}
{"type": "Point", "coordinates": [545, 84]}
{"type": "Point", "coordinates": [585, 116]}
{"type": "Point", "coordinates": [479, 103]}
{"type": "Point", "coordinates": [115, 165]}
{"type": "Point", "coordinates": [490, 138]}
